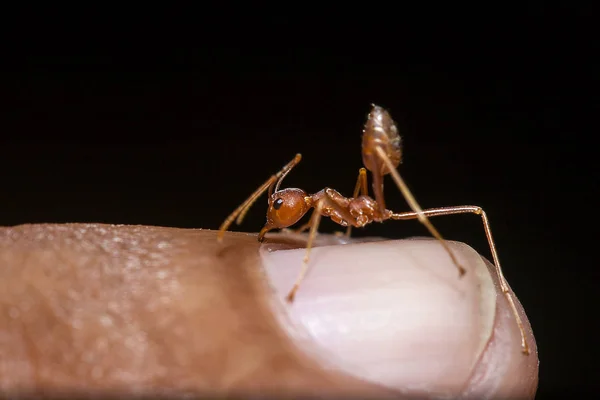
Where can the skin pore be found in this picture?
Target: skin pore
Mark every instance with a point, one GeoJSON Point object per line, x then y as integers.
{"type": "Point", "coordinates": [113, 309]}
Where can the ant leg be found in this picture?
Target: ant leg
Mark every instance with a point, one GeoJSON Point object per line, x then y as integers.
{"type": "Point", "coordinates": [241, 211]}
{"type": "Point", "coordinates": [434, 212]}
{"type": "Point", "coordinates": [361, 184]}
{"type": "Point", "coordinates": [303, 227]}
{"type": "Point", "coordinates": [412, 202]}
{"type": "Point", "coordinates": [315, 219]}
{"type": "Point", "coordinates": [362, 188]}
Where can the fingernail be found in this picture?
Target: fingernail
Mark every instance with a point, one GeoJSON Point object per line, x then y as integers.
{"type": "Point", "coordinates": [394, 313]}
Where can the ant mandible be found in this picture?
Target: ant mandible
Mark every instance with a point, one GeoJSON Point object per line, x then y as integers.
{"type": "Point", "coordinates": [381, 154]}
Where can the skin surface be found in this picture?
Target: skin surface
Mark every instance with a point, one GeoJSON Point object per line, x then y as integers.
{"type": "Point", "coordinates": [139, 310]}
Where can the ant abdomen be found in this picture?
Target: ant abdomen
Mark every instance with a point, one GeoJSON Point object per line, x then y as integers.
{"type": "Point", "coordinates": [380, 131]}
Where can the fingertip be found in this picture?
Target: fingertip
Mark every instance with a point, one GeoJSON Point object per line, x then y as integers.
{"type": "Point", "coordinates": [392, 312]}
{"type": "Point", "coordinates": [504, 369]}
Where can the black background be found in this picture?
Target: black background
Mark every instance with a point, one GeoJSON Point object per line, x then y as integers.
{"type": "Point", "coordinates": [174, 119]}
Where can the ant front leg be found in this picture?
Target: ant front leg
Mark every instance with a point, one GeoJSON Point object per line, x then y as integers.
{"type": "Point", "coordinates": [435, 212]}
{"type": "Point", "coordinates": [327, 202]}
{"type": "Point", "coordinates": [315, 219]}
{"type": "Point", "coordinates": [303, 227]}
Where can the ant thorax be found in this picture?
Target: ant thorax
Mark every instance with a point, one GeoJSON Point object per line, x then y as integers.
{"type": "Point", "coordinates": [366, 210]}
{"type": "Point", "coordinates": [363, 209]}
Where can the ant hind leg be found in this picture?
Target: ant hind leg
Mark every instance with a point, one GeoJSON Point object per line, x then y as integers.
{"type": "Point", "coordinates": [412, 202]}
{"type": "Point", "coordinates": [435, 212]}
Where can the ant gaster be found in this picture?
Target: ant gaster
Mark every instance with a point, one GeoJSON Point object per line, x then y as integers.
{"type": "Point", "coordinates": [381, 154]}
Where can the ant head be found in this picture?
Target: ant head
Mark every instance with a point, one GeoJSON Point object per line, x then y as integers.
{"type": "Point", "coordinates": [286, 207]}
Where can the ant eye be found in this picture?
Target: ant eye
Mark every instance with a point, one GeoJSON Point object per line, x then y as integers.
{"type": "Point", "coordinates": [278, 203]}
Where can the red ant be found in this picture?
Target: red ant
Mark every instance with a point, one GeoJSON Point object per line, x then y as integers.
{"type": "Point", "coordinates": [381, 154]}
